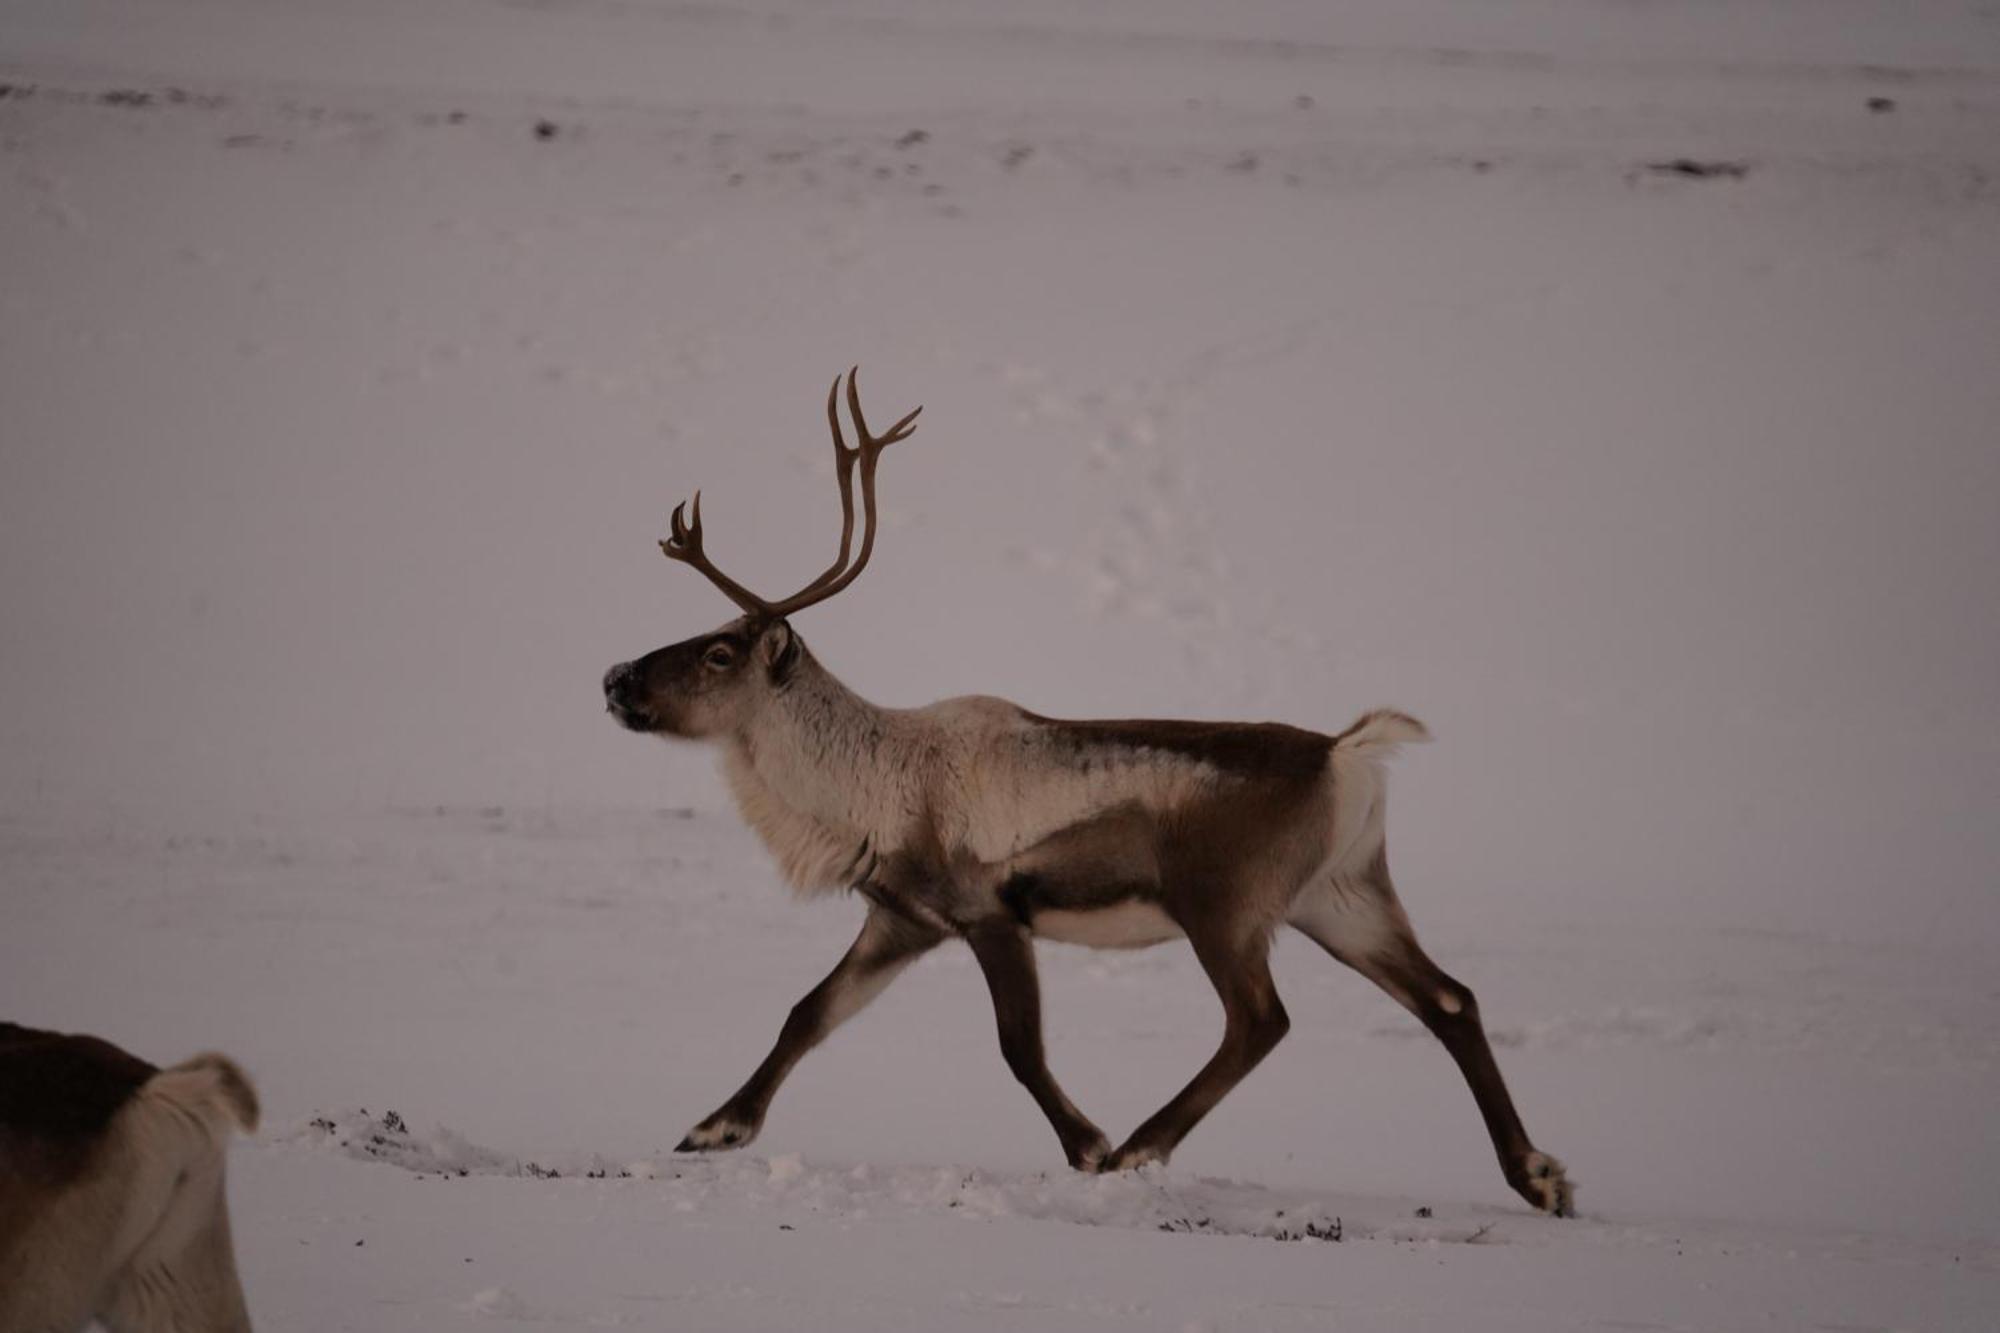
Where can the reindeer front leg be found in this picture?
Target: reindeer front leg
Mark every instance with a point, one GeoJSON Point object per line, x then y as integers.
{"type": "Point", "coordinates": [1007, 958]}
{"type": "Point", "coordinates": [888, 943]}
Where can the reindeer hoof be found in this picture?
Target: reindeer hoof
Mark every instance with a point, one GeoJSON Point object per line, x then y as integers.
{"type": "Point", "coordinates": [1133, 1156]}
{"type": "Point", "coordinates": [718, 1133]}
{"type": "Point", "coordinates": [1544, 1184]}
{"type": "Point", "coordinates": [1089, 1156]}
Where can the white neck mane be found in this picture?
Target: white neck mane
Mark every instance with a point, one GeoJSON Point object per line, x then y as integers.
{"type": "Point", "coordinates": [815, 774]}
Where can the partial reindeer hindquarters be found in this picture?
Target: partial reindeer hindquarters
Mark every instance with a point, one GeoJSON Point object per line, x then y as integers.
{"type": "Point", "coordinates": [976, 819]}
{"type": "Point", "coordinates": [112, 1200]}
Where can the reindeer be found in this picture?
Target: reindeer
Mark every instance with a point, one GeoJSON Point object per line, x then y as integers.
{"type": "Point", "coordinates": [112, 1198]}
{"type": "Point", "coordinates": [976, 819]}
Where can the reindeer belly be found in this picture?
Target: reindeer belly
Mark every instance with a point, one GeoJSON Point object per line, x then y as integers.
{"type": "Point", "coordinates": [1095, 882]}
{"type": "Point", "coordinates": [1133, 923]}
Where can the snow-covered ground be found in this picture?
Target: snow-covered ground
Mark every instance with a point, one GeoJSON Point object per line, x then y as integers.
{"type": "Point", "coordinates": [1609, 385]}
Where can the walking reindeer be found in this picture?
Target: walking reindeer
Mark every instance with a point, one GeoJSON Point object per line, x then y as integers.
{"type": "Point", "coordinates": [974, 818]}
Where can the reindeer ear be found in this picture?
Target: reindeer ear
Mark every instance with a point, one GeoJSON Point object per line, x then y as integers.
{"type": "Point", "coordinates": [780, 650]}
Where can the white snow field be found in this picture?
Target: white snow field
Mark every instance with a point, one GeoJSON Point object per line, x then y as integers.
{"type": "Point", "coordinates": [1611, 385]}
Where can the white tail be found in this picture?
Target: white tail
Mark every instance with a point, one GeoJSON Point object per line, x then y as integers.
{"type": "Point", "coordinates": [211, 1087]}
{"type": "Point", "coordinates": [1360, 786]}
{"type": "Point", "coordinates": [1379, 733]}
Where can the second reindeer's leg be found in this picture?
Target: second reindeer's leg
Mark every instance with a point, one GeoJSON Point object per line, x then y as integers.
{"type": "Point", "coordinates": [184, 1274]}
{"type": "Point", "coordinates": [1007, 958]}
{"type": "Point", "coordinates": [1254, 1022]}
{"type": "Point", "coordinates": [887, 944]}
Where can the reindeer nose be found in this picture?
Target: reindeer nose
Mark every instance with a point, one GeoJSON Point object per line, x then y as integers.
{"type": "Point", "coordinates": [617, 678]}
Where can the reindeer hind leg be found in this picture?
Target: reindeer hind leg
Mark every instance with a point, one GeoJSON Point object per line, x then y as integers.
{"type": "Point", "coordinates": [1359, 920]}
{"type": "Point", "coordinates": [1254, 1022]}
{"type": "Point", "coordinates": [183, 1274]}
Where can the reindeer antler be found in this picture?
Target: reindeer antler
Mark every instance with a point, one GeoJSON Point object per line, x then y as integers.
{"type": "Point", "coordinates": [685, 543]}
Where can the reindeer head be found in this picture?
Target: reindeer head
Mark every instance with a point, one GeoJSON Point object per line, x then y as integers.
{"type": "Point", "coordinates": [714, 683]}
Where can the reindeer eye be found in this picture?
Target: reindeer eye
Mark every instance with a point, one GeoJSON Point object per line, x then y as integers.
{"type": "Point", "coordinates": [720, 657]}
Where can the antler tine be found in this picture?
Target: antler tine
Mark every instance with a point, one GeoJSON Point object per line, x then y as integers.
{"type": "Point", "coordinates": [902, 430]}
{"type": "Point", "coordinates": [840, 573]}
{"type": "Point", "coordinates": [685, 546]}
{"type": "Point", "coordinates": [844, 459]}
{"type": "Point", "coordinates": [843, 468]}
{"type": "Point", "coordinates": [683, 538]}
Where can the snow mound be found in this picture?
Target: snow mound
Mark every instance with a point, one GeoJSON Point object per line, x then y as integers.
{"type": "Point", "coordinates": [499, 1303]}
{"type": "Point", "coordinates": [358, 1133]}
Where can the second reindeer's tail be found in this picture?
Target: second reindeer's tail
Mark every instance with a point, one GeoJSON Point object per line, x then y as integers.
{"type": "Point", "coordinates": [213, 1089]}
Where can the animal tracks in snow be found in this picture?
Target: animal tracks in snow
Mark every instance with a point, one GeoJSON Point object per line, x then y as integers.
{"type": "Point", "coordinates": [800, 1194]}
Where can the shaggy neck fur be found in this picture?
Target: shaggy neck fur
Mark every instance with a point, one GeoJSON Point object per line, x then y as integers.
{"type": "Point", "coordinates": [816, 773]}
